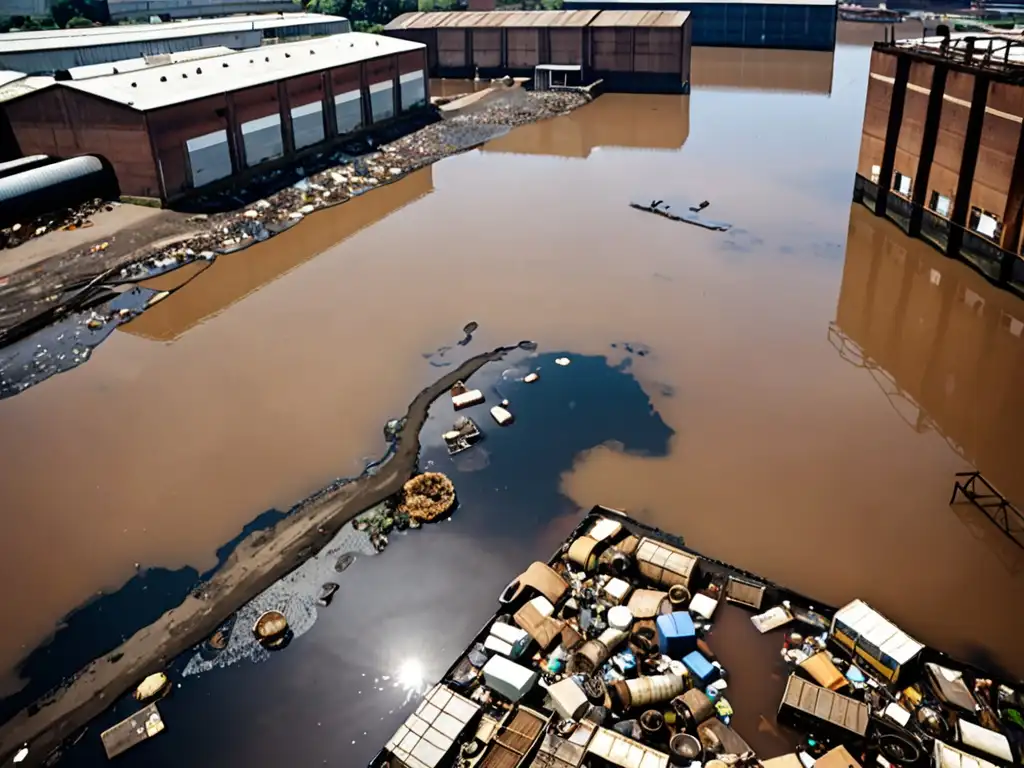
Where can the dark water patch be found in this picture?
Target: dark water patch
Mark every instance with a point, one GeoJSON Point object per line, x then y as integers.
{"type": "Point", "coordinates": [397, 621]}
{"type": "Point", "coordinates": [108, 620]}
{"type": "Point", "coordinates": [67, 343]}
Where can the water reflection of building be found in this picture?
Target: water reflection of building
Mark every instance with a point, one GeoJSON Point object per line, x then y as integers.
{"type": "Point", "coordinates": [762, 69]}
{"type": "Point", "coordinates": [615, 120]}
{"type": "Point", "coordinates": [231, 278]}
{"type": "Point", "coordinates": [946, 346]}
{"type": "Point", "coordinates": [941, 153]}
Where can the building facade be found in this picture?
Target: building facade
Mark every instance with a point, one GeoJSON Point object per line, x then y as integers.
{"type": "Point", "coordinates": [170, 130]}
{"type": "Point", "coordinates": [628, 50]}
{"type": "Point", "coordinates": [941, 148]}
{"type": "Point", "coordinates": [797, 24]}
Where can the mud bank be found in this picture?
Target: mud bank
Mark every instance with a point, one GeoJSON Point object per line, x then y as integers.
{"type": "Point", "coordinates": [258, 562]}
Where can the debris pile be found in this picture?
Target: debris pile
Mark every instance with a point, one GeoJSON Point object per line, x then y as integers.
{"type": "Point", "coordinates": [427, 497]}
{"type": "Point", "coordinates": [602, 657]}
{"type": "Point", "coordinates": [68, 219]}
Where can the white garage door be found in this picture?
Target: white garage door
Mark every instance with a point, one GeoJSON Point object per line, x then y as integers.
{"type": "Point", "coordinates": [414, 92]}
{"type": "Point", "coordinates": [382, 100]}
{"type": "Point", "coordinates": [308, 124]}
{"type": "Point", "coordinates": [209, 157]}
{"type": "Point", "coordinates": [262, 139]}
{"type": "Point", "coordinates": [348, 108]}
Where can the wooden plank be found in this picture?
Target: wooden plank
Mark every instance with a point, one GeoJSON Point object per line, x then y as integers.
{"type": "Point", "coordinates": [132, 731]}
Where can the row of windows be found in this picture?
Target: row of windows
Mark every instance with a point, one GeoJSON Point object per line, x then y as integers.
{"type": "Point", "coordinates": [980, 221]}
{"type": "Point", "coordinates": [209, 156]}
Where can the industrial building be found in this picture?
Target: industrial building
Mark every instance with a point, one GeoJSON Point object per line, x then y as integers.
{"type": "Point", "coordinates": [798, 24]}
{"type": "Point", "coordinates": [48, 51]}
{"type": "Point", "coordinates": [629, 50]}
{"type": "Point", "coordinates": [190, 9]}
{"type": "Point", "coordinates": [169, 130]}
{"type": "Point", "coordinates": [941, 149]}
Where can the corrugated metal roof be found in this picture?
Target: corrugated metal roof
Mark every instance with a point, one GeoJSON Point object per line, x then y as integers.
{"type": "Point", "coordinates": [177, 83]}
{"type": "Point", "coordinates": [493, 19]}
{"type": "Point", "coordinates": [24, 85]}
{"type": "Point", "coordinates": [645, 19]}
{"type": "Point", "coordinates": [133, 65]}
{"type": "Point", "coordinates": [19, 42]}
{"type": "Point", "coordinates": [400, 22]}
{"type": "Point", "coordinates": [9, 76]}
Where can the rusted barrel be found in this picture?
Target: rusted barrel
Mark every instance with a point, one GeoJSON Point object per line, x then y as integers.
{"type": "Point", "coordinates": [645, 691]}
{"type": "Point", "coordinates": [593, 653]}
{"type": "Point", "coordinates": [581, 553]}
{"type": "Point", "coordinates": [694, 706]}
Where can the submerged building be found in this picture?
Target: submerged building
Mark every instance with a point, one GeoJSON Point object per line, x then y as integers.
{"type": "Point", "coordinates": [628, 50]}
{"type": "Point", "coordinates": [48, 51]}
{"type": "Point", "coordinates": [169, 130]}
{"type": "Point", "coordinates": [941, 150]}
{"type": "Point", "coordinates": [799, 24]}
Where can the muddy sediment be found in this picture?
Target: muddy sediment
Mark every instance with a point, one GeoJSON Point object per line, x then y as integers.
{"type": "Point", "coordinates": [258, 562]}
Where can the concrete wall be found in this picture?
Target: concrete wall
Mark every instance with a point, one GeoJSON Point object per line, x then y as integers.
{"type": "Point", "coordinates": [971, 108]}
{"type": "Point", "coordinates": [64, 123]}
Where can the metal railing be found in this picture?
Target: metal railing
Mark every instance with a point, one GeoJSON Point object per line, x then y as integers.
{"type": "Point", "coordinates": [991, 503]}
{"type": "Point", "coordinates": [999, 52]}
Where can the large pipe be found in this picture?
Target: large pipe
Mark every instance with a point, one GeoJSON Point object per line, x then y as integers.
{"type": "Point", "coordinates": [66, 184]}
{"type": "Point", "coordinates": [22, 164]}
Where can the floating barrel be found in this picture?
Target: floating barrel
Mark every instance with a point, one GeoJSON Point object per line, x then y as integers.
{"type": "Point", "coordinates": [65, 184]}
{"type": "Point", "coordinates": [644, 691]}
{"type": "Point", "coordinates": [29, 163]}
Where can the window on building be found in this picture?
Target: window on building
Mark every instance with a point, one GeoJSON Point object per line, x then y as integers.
{"type": "Point", "coordinates": [984, 223]}
{"type": "Point", "coordinates": [876, 171]}
{"type": "Point", "coordinates": [901, 184]}
{"type": "Point", "coordinates": [940, 204]}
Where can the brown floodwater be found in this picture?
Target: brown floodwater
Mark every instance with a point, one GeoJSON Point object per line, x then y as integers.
{"type": "Point", "coordinates": [275, 370]}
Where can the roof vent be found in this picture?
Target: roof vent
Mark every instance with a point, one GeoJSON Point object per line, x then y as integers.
{"type": "Point", "coordinates": [184, 75]}
{"type": "Point", "coordinates": [163, 78]}
{"type": "Point", "coordinates": [115, 70]}
{"type": "Point", "coordinates": [199, 70]}
{"type": "Point", "coordinates": [267, 58]}
{"type": "Point", "coordinates": [225, 65]}
{"type": "Point", "coordinates": [376, 42]}
{"type": "Point", "coordinates": [135, 85]}
{"type": "Point", "coordinates": [287, 55]}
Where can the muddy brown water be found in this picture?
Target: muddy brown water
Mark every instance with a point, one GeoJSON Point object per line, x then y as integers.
{"type": "Point", "coordinates": [275, 371]}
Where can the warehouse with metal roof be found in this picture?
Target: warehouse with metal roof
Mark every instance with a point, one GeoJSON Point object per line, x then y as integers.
{"type": "Point", "coordinates": [628, 50]}
{"type": "Point", "coordinates": [795, 24]}
{"type": "Point", "coordinates": [53, 50]}
{"type": "Point", "coordinates": [170, 130]}
{"type": "Point", "coordinates": [190, 9]}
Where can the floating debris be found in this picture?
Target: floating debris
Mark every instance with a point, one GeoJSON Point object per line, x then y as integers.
{"type": "Point", "coordinates": [22, 753]}
{"type": "Point", "coordinates": [684, 213]}
{"type": "Point", "coordinates": [462, 436]}
{"type": "Point", "coordinates": [271, 628]}
{"type": "Point", "coordinates": [501, 415]}
{"type": "Point", "coordinates": [326, 594]}
{"type": "Point", "coordinates": [531, 377]}
{"type": "Point", "coordinates": [132, 731]}
{"type": "Point", "coordinates": [152, 686]}
{"type": "Point", "coordinates": [562, 361]}
{"type": "Point", "coordinates": [462, 397]}
{"type": "Point", "coordinates": [602, 657]}
{"type": "Point", "coordinates": [344, 562]}
{"type": "Point", "coordinates": [427, 497]}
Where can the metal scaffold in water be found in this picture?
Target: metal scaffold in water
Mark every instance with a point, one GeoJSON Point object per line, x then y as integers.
{"type": "Point", "coordinates": [991, 503]}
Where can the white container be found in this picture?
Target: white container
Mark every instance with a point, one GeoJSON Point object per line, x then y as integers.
{"type": "Point", "coordinates": [568, 699]}
{"type": "Point", "coordinates": [501, 415]}
{"type": "Point", "coordinates": [620, 617]}
{"type": "Point", "coordinates": [507, 678]}
{"type": "Point", "coordinates": [467, 398]}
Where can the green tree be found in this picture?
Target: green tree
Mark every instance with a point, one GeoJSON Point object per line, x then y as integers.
{"type": "Point", "coordinates": [78, 22]}
{"type": "Point", "coordinates": [30, 25]}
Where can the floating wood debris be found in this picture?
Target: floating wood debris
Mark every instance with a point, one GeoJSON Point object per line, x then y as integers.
{"type": "Point", "coordinates": [428, 496]}
{"type": "Point", "coordinates": [561, 361]}
{"type": "Point", "coordinates": [144, 724]}
{"type": "Point", "coordinates": [531, 377]}
{"type": "Point", "coordinates": [680, 212]}
{"type": "Point", "coordinates": [152, 686]}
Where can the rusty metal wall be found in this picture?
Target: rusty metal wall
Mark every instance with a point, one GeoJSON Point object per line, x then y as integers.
{"type": "Point", "coordinates": [565, 46]}
{"type": "Point", "coordinates": [611, 49]}
{"type": "Point", "coordinates": [657, 50]}
{"type": "Point", "coordinates": [487, 48]}
{"type": "Point", "coordinates": [66, 123]}
{"type": "Point", "coordinates": [523, 48]}
{"type": "Point", "coordinates": [451, 48]}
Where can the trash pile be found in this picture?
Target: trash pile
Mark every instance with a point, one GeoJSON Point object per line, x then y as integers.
{"type": "Point", "coordinates": [68, 219]}
{"type": "Point", "coordinates": [602, 657]}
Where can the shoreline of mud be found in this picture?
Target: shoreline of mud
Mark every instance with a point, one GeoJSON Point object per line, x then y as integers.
{"type": "Point", "coordinates": [260, 560]}
{"type": "Point", "coordinates": [232, 229]}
